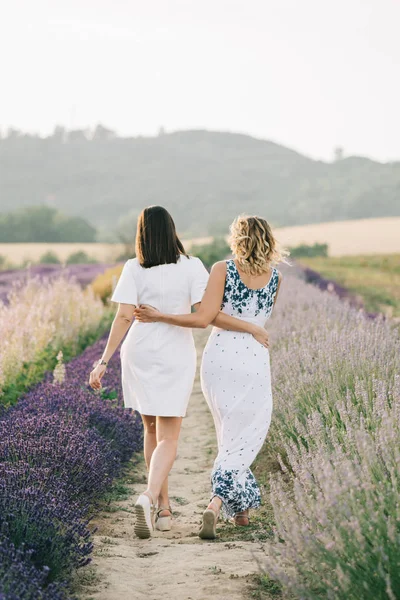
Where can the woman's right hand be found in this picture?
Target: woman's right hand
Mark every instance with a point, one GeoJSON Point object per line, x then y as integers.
{"type": "Point", "coordinates": [261, 335]}
{"type": "Point", "coordinates": [147, 314]}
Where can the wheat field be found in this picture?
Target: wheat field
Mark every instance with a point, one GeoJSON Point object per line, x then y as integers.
{"type": "Point", "coordinates": [344, 238]}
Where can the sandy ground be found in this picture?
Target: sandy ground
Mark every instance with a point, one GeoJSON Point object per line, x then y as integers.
{"type": "Point", "coordinates": [175, 565]}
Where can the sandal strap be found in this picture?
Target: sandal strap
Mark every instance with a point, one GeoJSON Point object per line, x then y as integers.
{"type": "Point", "coordinates": [150, 497]}
{"type": "Point", "coordinates": [162, 508]}
{"type": "Point", "coordinates": [217, 511]}
{"type": "Point", "coordinates": [241, 516]}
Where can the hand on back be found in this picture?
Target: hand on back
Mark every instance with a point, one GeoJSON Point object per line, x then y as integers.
{"type": "Point", "coordinates": [146, 314]}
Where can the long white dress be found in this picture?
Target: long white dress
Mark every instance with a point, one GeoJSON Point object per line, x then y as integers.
{"type": "Point", "coordinates": [236, 383]}
{"type": "Point", "coordinates": [159, 360]}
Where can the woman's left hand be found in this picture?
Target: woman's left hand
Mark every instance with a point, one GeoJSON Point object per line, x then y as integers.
{"type": "Point", "coordinates": [147, 314]}
{"type": "Point", "coordinates": [96, 376]}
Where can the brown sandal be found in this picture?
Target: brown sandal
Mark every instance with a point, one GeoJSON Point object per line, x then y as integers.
{"type": "Point", "coordinates": [242, 519]}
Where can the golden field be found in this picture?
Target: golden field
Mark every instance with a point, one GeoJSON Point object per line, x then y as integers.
{"type": "Point", "coordinates": [344, 238]}
{"type": "Point", "coordinates": [19, 253]}
{"type": "Point", "coordinates": [347, 238]}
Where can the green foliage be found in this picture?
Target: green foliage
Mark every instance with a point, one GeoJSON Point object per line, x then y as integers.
{"type": "Point", "coordinates": [375, 278]}
{"type": "Point", "coordinates": [43, 224]}
{"type": "Point", "coordinates": [308, 250]}
{"type": "Point", "coordinates": [211, 253]}
{"type": "Point", "coordinates": [4, 262]}
{"type": "Point", "coordinates": [49, 258]}
{"type": "Point", "coordinates": [204, 178]}
{"type": "Point", "coordinates": [79, 258]}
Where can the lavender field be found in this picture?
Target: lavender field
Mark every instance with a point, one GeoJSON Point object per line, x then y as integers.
{"type": "Point", "coordinates": [82, 274]}
{"type": "Point", "coordinates": [40, 316]}
{"type": "Point", "coordinates": [335, 444]}
{"type": "Point", "coordinates": [332, 452]}
{"type": "Point", "coordinates": [61, 444]}
{"type": "Point", "coordinates": [60, 448]}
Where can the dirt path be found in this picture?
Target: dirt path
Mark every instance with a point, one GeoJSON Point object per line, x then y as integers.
{"type": "Point", "coordinates": [175, 565]}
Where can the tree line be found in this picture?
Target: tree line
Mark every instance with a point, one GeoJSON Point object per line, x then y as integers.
{"type": "Point", "coordinates": [44, 224]}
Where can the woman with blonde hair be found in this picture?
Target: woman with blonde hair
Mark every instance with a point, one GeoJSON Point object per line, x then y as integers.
{"type": "Point", "coordinates": [235, 372]}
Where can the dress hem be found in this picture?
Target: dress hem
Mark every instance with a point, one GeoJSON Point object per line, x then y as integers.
{"type": "Point", "coordinates": [155, 414]}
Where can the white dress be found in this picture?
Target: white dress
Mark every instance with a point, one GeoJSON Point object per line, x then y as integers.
{"type": "Point", "coordinates": [159, 360]}
{"type": "Point", "coordinates": [236, 383]}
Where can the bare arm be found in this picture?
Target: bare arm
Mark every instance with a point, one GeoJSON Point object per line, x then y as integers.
{"type": "Point", "coordinates": [208, 311]}
{"type": "Point", "coordinates": [120, 325]}
{"type": "Point", "coordinates": [224, 321]}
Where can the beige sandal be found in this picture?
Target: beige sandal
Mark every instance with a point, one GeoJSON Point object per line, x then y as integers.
{"type": "Point", "coordinates": [144, 513]}
{"type": "Point", "coordinates": [163, 523]}
{"type": "Point", "coordinates": [210, 519]}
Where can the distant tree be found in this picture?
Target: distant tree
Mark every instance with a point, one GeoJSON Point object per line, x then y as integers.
{"type": "Point", "coordinates": [49, 258]}
{"type": "Point", "coordinates": [161, 131]}
{"type": "Point", "coordinates": [74, 229]}
{"type": "Point", "coordinates": [102, 134]}
{"type": "Point", "coordinates": [338, 153]}
{"type": "Point", "coordinates": [59, 134]}
{"type": "Point", "coordinates": [77, 135]}
{"type": "Point", "coordinates": [3, 262]}
{"type": "Point", "coordinates": [79, 258]}
{"type": "Point", "coordinates": [12, 133]}
{"type": "Point", "coordinates": [126, 233]}
{"type": "Point", "coordinates": [44, 224]}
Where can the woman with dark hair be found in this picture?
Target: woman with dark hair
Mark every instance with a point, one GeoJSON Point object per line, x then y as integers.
{"type": "Point", "coordinates": [235, 371]}
{"type": "Point", "coordinates": [158, 360]}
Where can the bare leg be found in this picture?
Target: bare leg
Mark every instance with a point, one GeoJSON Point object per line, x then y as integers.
{"type": "Point", "coordinates": [150, 444]}
{"type": "Point", "coordinates": [208, 529]}
{"type": "Point", "coordinates": [163, 457]}
{"type": "Point", "coordinates": [215, 502]}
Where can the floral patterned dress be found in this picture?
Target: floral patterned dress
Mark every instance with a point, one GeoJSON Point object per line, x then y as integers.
{"type": "Point", "coordinates": [236, 383]}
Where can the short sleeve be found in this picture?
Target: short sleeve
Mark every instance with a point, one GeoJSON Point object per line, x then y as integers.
{"type": "Point", "coordinates": [125, 291]}
{"type": "Point", "coordinates": [199, 281]}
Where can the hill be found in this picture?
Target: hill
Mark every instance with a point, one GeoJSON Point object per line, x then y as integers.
{"type": "Point", "coordinates": [204, 178]}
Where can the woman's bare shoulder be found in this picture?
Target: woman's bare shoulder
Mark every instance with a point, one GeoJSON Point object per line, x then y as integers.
{"type": "Point", "coordinates": [219, 268]}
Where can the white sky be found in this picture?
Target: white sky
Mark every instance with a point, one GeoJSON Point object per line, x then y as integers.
{"type": "Point", "coordinates": [310, 74]}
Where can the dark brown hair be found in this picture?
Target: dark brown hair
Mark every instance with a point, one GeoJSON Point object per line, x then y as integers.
{"type": "Point", "coordinates": [156, 240]}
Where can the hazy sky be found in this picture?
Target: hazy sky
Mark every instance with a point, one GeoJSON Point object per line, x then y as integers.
{"type": "Point", "coordinates": [310, 74]}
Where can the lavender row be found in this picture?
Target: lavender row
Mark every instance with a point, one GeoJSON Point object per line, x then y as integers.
{"type": "Point", "coordinates": [336, 437]}
{"type": "Point", "coordinates": [60, 448]}
{"type": "Point", "coordinates": [83, 274]}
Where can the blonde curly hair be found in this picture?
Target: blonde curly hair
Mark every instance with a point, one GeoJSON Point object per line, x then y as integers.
{"type": "Point", "coordinates": [254, 245]}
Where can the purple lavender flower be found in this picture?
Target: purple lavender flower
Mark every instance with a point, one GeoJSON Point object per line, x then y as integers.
{"type": "Point", "coordinates": [83, 274]}
{"type": "Point", "coordinates": [60, 448]}
{"type": "Point", "coordinates": [21, 580]}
